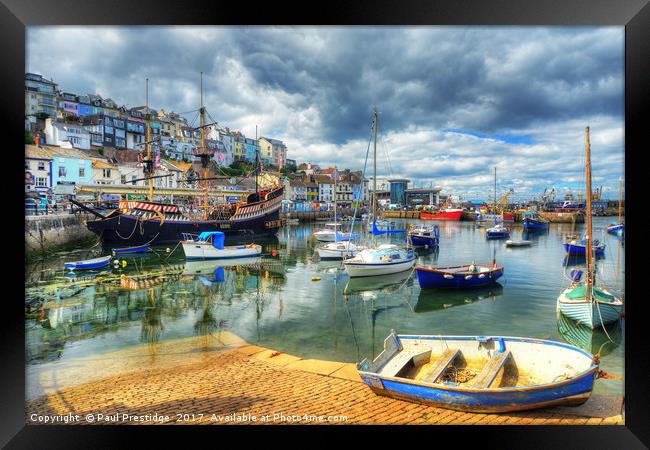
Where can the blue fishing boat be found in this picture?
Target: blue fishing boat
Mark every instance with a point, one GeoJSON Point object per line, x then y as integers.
{"type": "Point", "coordinates": [482, 374]}
{"type": "Point", "coordinates": [424, 236]}
{"type": "Point", "coordinates": [471, 275]}
{"type": "Point", "coordinates": [87, 264]}
{"type": "Point", "coordinates": [532, 221]}
{"type": "Point", "coordinates": [497, 232]}
{"type": "Point", "coordinates": [126, 250]}
{"type": "Point", "coordinates": [583, 301]}
{"type": "Point", "coordinates": [575, 247]}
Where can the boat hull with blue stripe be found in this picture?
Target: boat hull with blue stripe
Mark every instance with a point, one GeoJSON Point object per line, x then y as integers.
{"type": "Point", "coordinates": [616, 228]}
{"type": "Point", "coordinates": [580, 247]}
{"type": "Point", "coordinates": [534, 224]}
{"type": "Point", "coordinates": [482, 374]}
{"type": "Point", "coordinates": [598, 309]}
{"type": "Point", "coordinates": [128, 250]}
{"type": "Point", "coordinates": [89, 264]}
{"type": "Point", "coordinates": [210, 245]}
{"type": "Point", "coordinates": [468, 276]}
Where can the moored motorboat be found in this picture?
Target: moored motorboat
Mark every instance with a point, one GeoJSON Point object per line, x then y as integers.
{"type": "Point", "coordinates": [88, 264]}
{"type": "Point", "coordinates": [331, 233]}
{"type": "Point", "coordinates": [338, 250]}
{"type": "Point", "coordinates": [210, 245]}
{"type": "Point", "coordinates": [532, 221]}
{"type": "Point", "coordinates": [453, 214]}
{"type": "Point", "coordinates": [382, 260]}
{"type": "Point", "coordinates": [470, 275]}
{"type": "Point", "coordinates": [497, 232]}
{"type": "Point", "coordinates": [483, 374]}
{"type": "Point", "coordinates": [424, 236]}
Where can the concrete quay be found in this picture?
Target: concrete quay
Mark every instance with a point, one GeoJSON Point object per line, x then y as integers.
{"type": "Point", "coordinates": [221, 379]}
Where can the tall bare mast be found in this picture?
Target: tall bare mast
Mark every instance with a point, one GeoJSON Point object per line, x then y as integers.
{"type": "Point", "coordinates": [589, 250]}
{"type": "Point", "coordinates": [205, 166]}
{"type": "Point", "coordinates": [148, 165]}
{"type": "Point", "coordinates": [620, 198]}
{"type": "Point", "coordinates": [374, 166]}
{"type": "Point", "coordinates": [495, 190]}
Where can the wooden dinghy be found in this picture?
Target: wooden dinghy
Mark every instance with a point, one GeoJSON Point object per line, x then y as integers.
{"type": "Point", "coordinates": [88, 264]}
{"type": "Point", "coordinates": [483, 374]}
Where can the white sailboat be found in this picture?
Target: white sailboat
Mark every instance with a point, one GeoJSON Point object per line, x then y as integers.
{"type": "Point", "coordinates": [342, 246]}
{"type": "Point", "coordinates": [331, 231]}
{"type": "Point", "coordinates": [584, 302]}
{"type": "Point", "coordinates": [383, 259]}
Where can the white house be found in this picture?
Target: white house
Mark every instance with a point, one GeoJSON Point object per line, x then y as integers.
{"type": "Point", "coordinates": [64, 133]}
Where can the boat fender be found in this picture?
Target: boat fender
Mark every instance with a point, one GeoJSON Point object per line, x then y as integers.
{"type": "Point", "coordinates": [482, 275]}
{"type": "Point", "coordinates": [468, 277]}
{"type": "Point", "coordinates": [449, 276]}
{"type": "Point", "coordinates": [315, 279]}
{"type": "Point", "coordinates": [123, 263]}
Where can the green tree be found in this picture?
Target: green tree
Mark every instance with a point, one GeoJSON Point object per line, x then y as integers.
{"type": "Point", "coordinates": [29, 137]}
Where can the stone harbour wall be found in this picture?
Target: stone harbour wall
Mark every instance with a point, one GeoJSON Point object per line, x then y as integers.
{"type": "Point", "coordinates": [47, 232]}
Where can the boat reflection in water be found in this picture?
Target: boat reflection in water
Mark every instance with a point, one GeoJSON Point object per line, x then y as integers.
{"type": "Point", "coordinates": [601, 341]}
{"type": "Point", "coordinates": [435, 299]}
{"type": "Point", "coordinates": [575, 260]}
{"type": "Point", "coordinates": [365, 284]}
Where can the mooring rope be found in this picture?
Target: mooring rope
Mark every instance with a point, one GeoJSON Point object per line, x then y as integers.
{"type": "Point", "coordinates": [132, 232]}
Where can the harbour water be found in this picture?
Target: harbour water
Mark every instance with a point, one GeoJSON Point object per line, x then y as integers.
{"type": "Point", "coordinates": [290, 301]}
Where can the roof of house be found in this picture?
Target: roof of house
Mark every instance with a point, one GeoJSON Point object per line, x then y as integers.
{"type": "Point", "coordinates": [99, 164]}
{"type": "Point", "coordinates": [52, 151]}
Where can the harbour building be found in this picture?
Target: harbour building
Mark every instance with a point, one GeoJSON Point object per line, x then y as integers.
{"type": "Point", "coordinates": [398, 188]}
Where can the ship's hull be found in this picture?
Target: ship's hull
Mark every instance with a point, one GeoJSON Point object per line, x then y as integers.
{"type": "Point", "coordinates": [123, 229]}
{"type": "Point", "coordinates": [442, 215]}
{"type": "Point", "coordinates": [563, 216]}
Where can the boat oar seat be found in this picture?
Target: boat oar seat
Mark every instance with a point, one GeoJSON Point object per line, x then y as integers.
{"type": "Point", "coordinates": [491, 369]}
{"type": "Point", "coordinates": [435, 371]}
{"type": "Point", "coordinates": [399, 361]}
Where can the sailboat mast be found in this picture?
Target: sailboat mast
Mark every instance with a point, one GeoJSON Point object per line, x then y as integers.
{"type": "Point", "coordinates": [589, 250]}
{"type": "Point", "coordinates": [205, 168]}
{"type": "Point", "coordinates": [335, 177]}
{"type": "Point", "coordinates": [620, 198]}
{"type": "Point", "coordinates": [148, 138]}
{"type": "Point", "coordinates": [374, 168]}
{"type": "Point", "coordinates": [495, 190]}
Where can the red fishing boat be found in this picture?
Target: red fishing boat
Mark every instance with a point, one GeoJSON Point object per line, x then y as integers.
{"type": "Point", "coordinates": [443, 214]}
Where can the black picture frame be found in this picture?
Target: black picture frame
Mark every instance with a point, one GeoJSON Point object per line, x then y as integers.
{"type": "Point", "coordinates": [633, 14]}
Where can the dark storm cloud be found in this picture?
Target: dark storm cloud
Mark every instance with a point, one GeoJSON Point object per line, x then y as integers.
{"type": "Point", "coordinates": [315, 88]}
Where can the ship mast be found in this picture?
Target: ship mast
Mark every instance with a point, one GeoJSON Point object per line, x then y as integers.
{"type": "Point", "coordinates": [148, 164]}
{"type": "Point", "coordinates": [589, 250]}
{"type": "Point", "coordinates": [620, 198]}
{"type": "Point", "coordinates": [374, 167]}
{"type": "Point", "coordinates": [205, 165]}
{"type": "Point", "coordinates": [495, 190]}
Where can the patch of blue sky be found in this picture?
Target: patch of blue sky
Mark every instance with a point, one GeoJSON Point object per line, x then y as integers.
{"type": "Point", "coordinates": [507, 138]}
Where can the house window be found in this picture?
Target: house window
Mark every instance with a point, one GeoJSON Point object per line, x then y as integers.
{"type": "Point", "coordinates": [133, 180]}
{"type": "Point", "coordinates": [123, 179]}
{"type": "Point", "coordinates": [62, 172]}
{"type": "Point", "coordinates": [82, 172]}
{"type": "Point", "coordinates": [41, 182]}
{"type": "Point", "coordinates": [27, 165]}
{"type": "Point", "coordinates": [107, 173]}
{"type": "Point", "coordinates": [41, 165]}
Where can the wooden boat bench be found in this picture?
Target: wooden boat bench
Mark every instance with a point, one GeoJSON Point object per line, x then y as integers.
{"type": "Point", "coordinates": [435, 371]}
{"type": "Point", "coordinates": [491, 369]}
{"type": "Point", "coordinates": [397, 363]}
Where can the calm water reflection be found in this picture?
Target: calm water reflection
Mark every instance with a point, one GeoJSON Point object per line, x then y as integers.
{"type": "Point", "coordinates": [289, 301]}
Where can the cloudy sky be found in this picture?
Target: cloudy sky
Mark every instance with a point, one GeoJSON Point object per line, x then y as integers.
{"type": "Point", "coordinates": [453, 102]}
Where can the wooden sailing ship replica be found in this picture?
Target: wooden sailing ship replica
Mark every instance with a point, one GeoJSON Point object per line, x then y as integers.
{"type": "Point", "coordinates": [149, 222]}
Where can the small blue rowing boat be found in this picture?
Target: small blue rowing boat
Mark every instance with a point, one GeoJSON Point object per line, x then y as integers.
{"type": "Point", "coordinates": [471, 275]}
{"type": "Point", "coordinates": [482, 374]}
{"type": "Point", "coordinates": [424, 236]}
{"type": "Point", "coordinates": [497, 232]}
{"type": "Point", "coordinates": [138, 249]}
{"type": "Point", "coordinates": [616, 228]}
{"type": "Point", "coordinates": [89, 263]}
